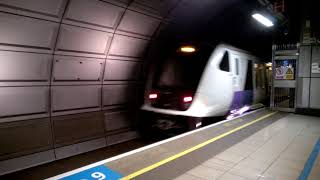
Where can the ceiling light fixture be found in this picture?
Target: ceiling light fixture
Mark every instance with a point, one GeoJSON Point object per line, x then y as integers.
{"type": "Point", "coordinates": [263, 20]}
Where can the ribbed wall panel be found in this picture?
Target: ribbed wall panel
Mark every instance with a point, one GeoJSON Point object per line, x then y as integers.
{"type": "Point", "coordinates": [60, 60]}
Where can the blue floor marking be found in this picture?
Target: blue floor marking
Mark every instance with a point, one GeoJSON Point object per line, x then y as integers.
{"type": "Point", "coordinates": [96, 173]}
{"type": "Point", "coordinates": [309, 164]}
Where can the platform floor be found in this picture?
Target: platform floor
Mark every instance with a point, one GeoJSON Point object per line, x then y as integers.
{"type": "Point", "coordinates": [263, 145]}
{"type": "Point", "coordinates": [279, 151]}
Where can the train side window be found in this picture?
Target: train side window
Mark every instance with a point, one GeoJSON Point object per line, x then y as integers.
{"type": "Point", "coordinates": [259, 76]}
{"type": "Point", "coordinates": [256, 66]}
{"type": "Point", "coordinates": [249, 80]}
{"type": "Point", "coordinates": [237, 66]}
{"type": "Point", "coordinates": [224, 64]}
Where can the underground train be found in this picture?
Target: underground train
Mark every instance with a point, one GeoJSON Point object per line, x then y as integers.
{"type": "Point", "coordinates": [192, 83]}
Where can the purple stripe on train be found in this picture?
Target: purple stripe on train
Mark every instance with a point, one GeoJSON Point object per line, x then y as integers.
{"type": "Point", "coordinates": [242, 98]}
{"type": "Point", "coordinates": [241, 103]}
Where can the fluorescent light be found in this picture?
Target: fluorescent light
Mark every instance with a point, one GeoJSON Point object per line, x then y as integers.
{"type": "Point", "coordinates": [269, 64]}
{"type": "Point", "coordinates": [262, 19]}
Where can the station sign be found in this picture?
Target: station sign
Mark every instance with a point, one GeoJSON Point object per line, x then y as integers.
{"type": "Point", "coordinates": [315, 68]}
{"type": "Point", "coordinates": [284, 73]}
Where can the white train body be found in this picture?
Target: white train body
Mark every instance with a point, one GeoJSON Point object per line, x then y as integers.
{"type": "Point", "coordinates": [218, 89]}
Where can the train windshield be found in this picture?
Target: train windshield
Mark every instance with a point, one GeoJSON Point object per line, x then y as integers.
{"type": "Point", "coordinates": [183, 68]}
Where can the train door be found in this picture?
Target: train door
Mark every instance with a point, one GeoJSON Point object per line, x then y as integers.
{"type": "Point", "coordinates": [239, 72]}
{"type": "Point", "coordinates": [260, 88]}
{"type": "Point", "coordinates": [236, 75]}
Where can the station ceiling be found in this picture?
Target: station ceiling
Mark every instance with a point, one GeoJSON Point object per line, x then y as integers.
{"type": "Point", "coordinates": [230, 22]}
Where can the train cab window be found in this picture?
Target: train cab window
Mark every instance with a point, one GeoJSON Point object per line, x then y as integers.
{"type": "Point", "coordinates": [224, 64]}
{"type": "Point", "coordinates": [179, 70]}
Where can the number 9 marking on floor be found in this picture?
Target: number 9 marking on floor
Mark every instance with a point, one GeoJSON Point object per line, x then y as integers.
{"type": "Point", "coordinates": [96, 173]}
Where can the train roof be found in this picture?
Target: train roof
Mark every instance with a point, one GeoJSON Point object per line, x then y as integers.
{"type": "Point", "coordinates": [230, 47]}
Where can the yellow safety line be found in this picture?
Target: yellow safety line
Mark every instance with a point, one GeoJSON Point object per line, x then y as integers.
{"type": "Point", "coordinates": [153, 166]}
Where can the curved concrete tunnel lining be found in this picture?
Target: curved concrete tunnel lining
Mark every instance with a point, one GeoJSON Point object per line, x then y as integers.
{"type": "Point", "coordinates": [82, 39]}
{"type": "Point", "coordinates": [76, 46]}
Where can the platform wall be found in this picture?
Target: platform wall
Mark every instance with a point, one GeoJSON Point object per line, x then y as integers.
{"type": "Point", "coordinates": [308, 98]}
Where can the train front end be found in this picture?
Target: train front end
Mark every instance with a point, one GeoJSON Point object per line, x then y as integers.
{"type": "Point", "coordinates": [173, 88]}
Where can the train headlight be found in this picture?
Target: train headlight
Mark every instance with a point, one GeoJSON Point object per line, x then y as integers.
{"type": "Point", "coordinates": [187, 49]}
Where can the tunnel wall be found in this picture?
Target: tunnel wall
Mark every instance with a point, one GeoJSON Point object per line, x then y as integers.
{"type": "Point", "coordinates": [70, 75]}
